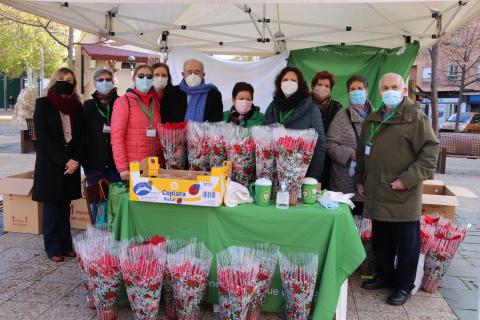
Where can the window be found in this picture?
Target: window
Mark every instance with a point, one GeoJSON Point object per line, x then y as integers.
{"type": "Point", "coordinates": [427, 74]}
{"type": "Point", "coordinates": [452, 72]}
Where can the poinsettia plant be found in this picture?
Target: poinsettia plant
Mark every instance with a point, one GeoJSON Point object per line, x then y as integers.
{"type": "Point", "coordinates": [173, 138]}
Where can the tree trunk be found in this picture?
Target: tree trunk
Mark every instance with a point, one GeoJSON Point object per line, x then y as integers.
{"type": "Point", "coordinates": [434, 87]}
{"type": "Point", "coordinates": [460, 98]}
{"type": "Point", "coordinates": [70, 47]}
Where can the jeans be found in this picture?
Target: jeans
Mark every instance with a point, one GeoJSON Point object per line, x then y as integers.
{"type": "Point", "coordinates": [56, 228]}
{"type": "Point", "coordinates": [401, 239]}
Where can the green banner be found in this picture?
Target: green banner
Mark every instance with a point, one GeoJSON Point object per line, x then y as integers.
{"type": "Point", "coordinates": [344, 61]}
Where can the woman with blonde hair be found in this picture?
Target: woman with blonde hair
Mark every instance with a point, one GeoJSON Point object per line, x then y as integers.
{"type": "Point", "coordinates": [58, 126]}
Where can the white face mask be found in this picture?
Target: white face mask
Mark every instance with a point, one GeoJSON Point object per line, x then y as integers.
{"type": "Point", "coordinates": [243, 106]}
{"type": "Point", "coordinates": [321, 92]}
{"type": "Point", "coordinates": [289, 87]}
{"type": "Point", "coordinates": [193, 80]}
{"type": "Point", "coordinates": [160, 82]}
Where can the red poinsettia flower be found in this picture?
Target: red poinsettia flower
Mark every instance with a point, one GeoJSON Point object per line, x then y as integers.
{"type": "Point", "coordinates": [247, 170]}
{"type": "Point", "coordinates": [92, 272]}
{"type": "Point", "coordinates": [238, 149]}
{"type": "Point", "coordinates": [440, 257]}
{"type": "Point", "coordinates": [110, 295]}
{"type": "Point", "coordinates": [154, 287]}
{"type": "Point", "coordinates": [296, 288]}
{"type": "Point", "coordinates": [226, 306]}
{"type": "Point", "coordinates": [262, 276]}
{"type": "Point", "coordinates": [306, 159]}
{"type": "Point", "coordinates": [192, 283]}
{"type": "Point", "coordinates": [266, 154]}
{"type": "Point", "coordinates": [157, 240]}
{"type": "Point", "coordinates": [249, 289]}
{"type": "Point", "coordinates": [216, 150]}
{"type": "Point", "coordinates": [127, 282]}
{"type": "Point", "coordinates": [223, 291]}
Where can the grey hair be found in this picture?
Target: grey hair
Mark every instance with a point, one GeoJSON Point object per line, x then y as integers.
{"type": "Point", "coordinates": [99, 72]}
{"type": "Point", "coordinates": [395, 75]}
{"type": "Point", "coordinates": [196, 61]}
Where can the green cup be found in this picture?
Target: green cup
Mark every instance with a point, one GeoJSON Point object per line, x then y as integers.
{"type": "Point", "coordinates": [309, 190]}
{"type": "Point", "coordinates": [261, 191]}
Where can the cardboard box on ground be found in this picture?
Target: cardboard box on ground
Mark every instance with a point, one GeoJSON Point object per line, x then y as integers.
{"type": "Point", "coordinates": [22, 214]}
{"type": "Point", "coordinates": [442, 199]}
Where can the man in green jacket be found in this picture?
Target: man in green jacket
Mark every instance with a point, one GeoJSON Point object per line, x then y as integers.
{"type": "Point", "coordinates": [396, 152]}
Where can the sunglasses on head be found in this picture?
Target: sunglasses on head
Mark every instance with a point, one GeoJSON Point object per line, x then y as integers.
{"type": "Point", "coordinates": [141, 76]}
{"type": "Point", "coordinates": [102, 80]}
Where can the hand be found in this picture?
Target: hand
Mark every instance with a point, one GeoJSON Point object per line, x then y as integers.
{"type": "Point", "coordinates": [354, 156]}
{"type": "Point", "coordinates": [361, 190]}
{"type": "Point", "coordinates": [398, 185]}
{"type": "Point", "coordinates": [125, 175]}
{"type": "Point", "coordinates": [70, 167]}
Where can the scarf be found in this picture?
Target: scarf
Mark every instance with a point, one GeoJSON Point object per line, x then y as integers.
{"type": "Point", "coordinates": [144, 97]}
{"type": "Point", "coordinates": [324, 105]}
{"type": "Point", "coordinates": [104, 99]}
{"type": "Point", "coordinates": [286, 104]}
{"type": "Point", "coordinates": [67, 106]}
{"type": "Point", "coordinates": [363, 112]}
{"type": "Point", "coordinates": [198, 99]}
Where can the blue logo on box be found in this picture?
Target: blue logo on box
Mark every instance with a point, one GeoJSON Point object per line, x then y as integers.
{"type": "Point", "coordinates": [142, 189]}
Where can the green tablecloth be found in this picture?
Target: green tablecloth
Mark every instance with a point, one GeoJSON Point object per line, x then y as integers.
{"type": "Point", "coordinates": [331, 234]}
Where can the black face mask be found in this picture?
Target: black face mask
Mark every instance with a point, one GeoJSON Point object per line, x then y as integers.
{"type": "Point", "coordinates": [63, 87]}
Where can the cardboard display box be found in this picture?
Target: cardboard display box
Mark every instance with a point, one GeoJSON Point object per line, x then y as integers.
{"type": "Point", "coordinates": [149, 183]}
{"type": "Point", "coordinates": [442, 199]}
{"type": "Point", "coordinates": [22, 214]}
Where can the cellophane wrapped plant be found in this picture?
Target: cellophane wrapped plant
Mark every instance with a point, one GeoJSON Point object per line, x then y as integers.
{"type": "Point", "coordinates": [237, 273]}
{"type": "Point", "coordinates": [294, 151]}
{"type": "Point", "coordinates": [241, 152]}
{"type": "Point", "coordinates": [265, 163]}
{"type": "Point", "coordinates": [441, 249]}
{"type": "Point", "coordinates": [143, 264]}
{"type": "Point", "coordinates": [98, 252]}
{"type": "Point", "coordinates": [189, 267]}
{"type": "Point", "coordinates": [198, 146]}
{"type": "Point", "coordinates": [173, 138]}
{"type": "Point", "coordinates": [266, 254]}
{"type": "Point", "coordinates": [216, 140]}
{"type": "Point", "coordinates": [298, 271]}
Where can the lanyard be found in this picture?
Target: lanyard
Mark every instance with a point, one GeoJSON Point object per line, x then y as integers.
{"type": "Point", "coordinates": [374, 129]}
{"type": "Point", "coordinates": [284, 116]}
{"type": "Point", "coordinates": [106, 116]}
{"type": "Point", "coordinates": [152, 109]}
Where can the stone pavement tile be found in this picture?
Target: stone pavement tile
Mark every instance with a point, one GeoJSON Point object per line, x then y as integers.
{"type": "Point", "coordinates": [465, 271]}
{"type": "Point", "coordinates": [460, 261]}
{"type": "Point", "coordinates": [9, 288]}
{"type": "Point", "coordinates": [428, 307]}
{"type": "Point", "coordinates": [452, 283]}
{"type": "Point", "coordinates": [75, 298]}
{"type": "Point", "coordinates": [352, 314]}
{"type": "Point", "coordinates": [474, 261]}
{"type": "Point", "coordinates": [14, 310]}
{"type": "Point", "coordinates": [31, 272]}
{"type": "Point", "coordinates": [64, 274]}
{"type": "Point", "coordinates": [19, 254]}
{"type": "Point", "coordinates": [42, 292]}
{"type": "Point", "coordinates": [470, 254]}
{"type": "Point", "coordinates": [421, 293]}
{"type": "Point", "coordinates": [470, 247]}
{"type": "Point", "coordinates": [471, 282]}
{"type": "Point", "coordinates": [43, 260]}
{"type": "Point", "coordinates": [6, 266]}
{"type": "Point", "coordinates": [375, 301]}
{"type": "Point", "coordinates": [33, 243]}
{"type": "Point", "coordinates": [467, 314]}
{"type": "Point", "coordinates": [373, 315]}
{"type": "Point", "coordinates": [434, 317]}
{"type": "Point", "coordinates": [472, 239]}
{"type": "Point", "coordinates": [15, 238]}
{"type": "Point", "coordinates": [461, 299]}
{"type": "Point", "coordinates": [5, 246]}
{"type": "Point", "coordinates": [60, 312]}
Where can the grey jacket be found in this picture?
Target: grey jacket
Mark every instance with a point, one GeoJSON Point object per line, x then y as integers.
{"type": "Point", "coordinates": [306, 116]}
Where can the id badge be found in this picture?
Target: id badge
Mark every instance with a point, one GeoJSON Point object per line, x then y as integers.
{"type": "Point", "coordinates": [151, 133]}
{"type": "Point", "coordinates": [106, 129]}
{"type": "Point", "coordinates": [367, 150]}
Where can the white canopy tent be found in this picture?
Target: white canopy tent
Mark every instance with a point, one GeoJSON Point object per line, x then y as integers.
{"type": "Point", "coordinates": [229, 27]}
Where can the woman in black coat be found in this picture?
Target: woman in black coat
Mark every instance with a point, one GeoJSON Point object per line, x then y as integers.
{"type": "Point", "coordinates": [97, 159]}
{"type": "Point", "coordinates": [58, 125]}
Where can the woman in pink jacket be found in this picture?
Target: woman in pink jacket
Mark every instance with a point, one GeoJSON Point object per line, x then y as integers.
{"type": "Point", "coordinates": [135, 118]}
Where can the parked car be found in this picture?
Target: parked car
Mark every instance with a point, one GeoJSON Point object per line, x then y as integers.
{"type": "Point", "coordinates": [469, 122]}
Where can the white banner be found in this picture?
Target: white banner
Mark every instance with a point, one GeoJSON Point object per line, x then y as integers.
{"type": "Point", "coordinates": [224, 74]}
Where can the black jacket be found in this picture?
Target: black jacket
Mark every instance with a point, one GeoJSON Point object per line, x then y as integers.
{"type": "Point", "coordinates": [174, 106]}
{"type": "Point", "coordinates": [97, 152]}
{"type": "Point", "coordinates": [49, 183]}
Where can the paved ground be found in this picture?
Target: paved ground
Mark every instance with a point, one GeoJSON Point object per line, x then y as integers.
{"type": "Point", "coordinates": [32, 287]}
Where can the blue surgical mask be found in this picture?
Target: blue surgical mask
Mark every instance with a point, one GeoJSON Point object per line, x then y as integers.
{"type": "Point", "coordinates": [392, 98]}
{"type": "Point", "coordinates": [104, 87]}
{"type": "Point", "coordinates": [358, 97]}
{"type": "Point", "coordinates": [144, 84]}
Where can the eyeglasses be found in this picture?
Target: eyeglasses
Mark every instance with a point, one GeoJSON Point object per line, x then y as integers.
{"type": "Point", "coordinates": [102, 80]}
{"type": "Point", "coordinates": [141, 76]}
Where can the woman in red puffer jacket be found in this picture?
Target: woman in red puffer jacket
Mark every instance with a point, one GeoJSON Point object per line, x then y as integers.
{"type": "Point", "coordinates": [135, 118]}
